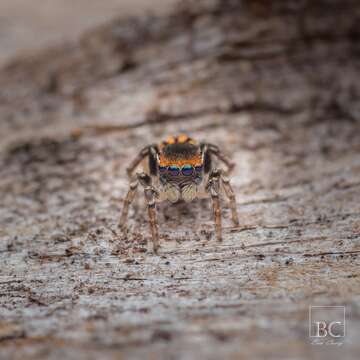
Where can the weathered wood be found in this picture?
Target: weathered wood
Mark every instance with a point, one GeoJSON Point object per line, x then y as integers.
{"type": "Point", "coordinates": [277, 87]}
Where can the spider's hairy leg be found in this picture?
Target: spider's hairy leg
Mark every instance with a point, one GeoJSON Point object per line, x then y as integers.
{"type": "Point", "coordinates": [215, 150]}
{"type": "Point", "coordinates": [231, 196]}
{"type": "Point", "coordinates": [150, 198]}
{"type": "Point", "coordinates": [213, 188]}
{"type": "Point", "coordinates": [128, 200]}
{"type": "Point", "coordinates": [149, 150]}
{"type": "Point", "coordinates": [140, 156]}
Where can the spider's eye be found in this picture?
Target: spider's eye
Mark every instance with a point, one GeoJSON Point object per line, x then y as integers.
{"type": "Point", "coordinates": [162, 169]}
{"type": "Point", "coordinates": [187, 170]}
{"type": "Point", "coordinates": [173, 170]}
{"type": "Point", "coordinates": [199, 169]}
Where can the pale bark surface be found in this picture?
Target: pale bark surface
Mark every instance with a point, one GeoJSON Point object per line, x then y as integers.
{"type": "Point", "coordinates": [277, 87]}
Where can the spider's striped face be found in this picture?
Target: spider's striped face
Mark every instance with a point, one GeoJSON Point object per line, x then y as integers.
{"type": "Point", "coordinates": [180, 167]}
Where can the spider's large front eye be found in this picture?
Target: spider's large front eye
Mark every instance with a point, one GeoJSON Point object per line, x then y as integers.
{"type": "Point", "coordinates": [173, 170]}
{"type": "Point", "coordinates": [187, 170]}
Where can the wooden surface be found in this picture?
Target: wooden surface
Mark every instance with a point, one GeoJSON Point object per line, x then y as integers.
{"type": "Point", "coordinates": [278, 89]}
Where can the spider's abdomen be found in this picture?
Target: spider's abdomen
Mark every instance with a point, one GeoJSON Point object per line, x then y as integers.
{"type": "Point", "coordinates": [180, 151]}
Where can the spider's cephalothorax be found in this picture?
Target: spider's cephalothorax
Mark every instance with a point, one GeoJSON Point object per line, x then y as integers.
{"type": "Point", "coordinates": [180, 167]}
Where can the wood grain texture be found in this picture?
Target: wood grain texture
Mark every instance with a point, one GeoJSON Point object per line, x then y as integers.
{"type": "Point", "coordinates": [277, 88]}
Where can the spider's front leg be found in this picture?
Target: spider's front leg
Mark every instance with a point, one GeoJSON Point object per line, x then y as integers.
{"type": "Point", "coordinates": [232, 200]}
{"type": "Point", "coordinates": [150, 194]}
{"type": "Point", "coordinates": [140, 156]}
{"type": "Point", "coordinates": [150, 198]}
{"type": "Point", "coordinates": [216, 180]}
{"type": "Point", "coordinates": [213, 188]}
{"type": "Point", "coordinates": [127, 202]}
{"type": "Point", "coordinates": [215, 150]}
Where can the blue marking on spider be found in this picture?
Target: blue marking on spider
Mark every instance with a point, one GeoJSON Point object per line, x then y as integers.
{"type": "Point", "coordinates": [187, 170]}
{"type": "Point", "coordinates": [173, 170]}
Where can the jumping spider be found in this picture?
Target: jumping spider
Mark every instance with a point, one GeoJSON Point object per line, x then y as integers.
{"type": "Point", "coordinates": [179, 167]}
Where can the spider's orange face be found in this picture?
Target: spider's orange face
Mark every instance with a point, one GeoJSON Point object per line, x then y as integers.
{"type": "Point", "coordinates": [180, 157]}
{"type": "Point", "coordinates": [180, 165]}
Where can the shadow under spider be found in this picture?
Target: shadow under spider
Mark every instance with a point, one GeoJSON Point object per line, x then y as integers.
{"type": "Point", "coordinates": [182, 210]}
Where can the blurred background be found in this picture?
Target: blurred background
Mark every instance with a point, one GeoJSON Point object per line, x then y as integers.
{"type": "Point", "coordinates": [26, 25]}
